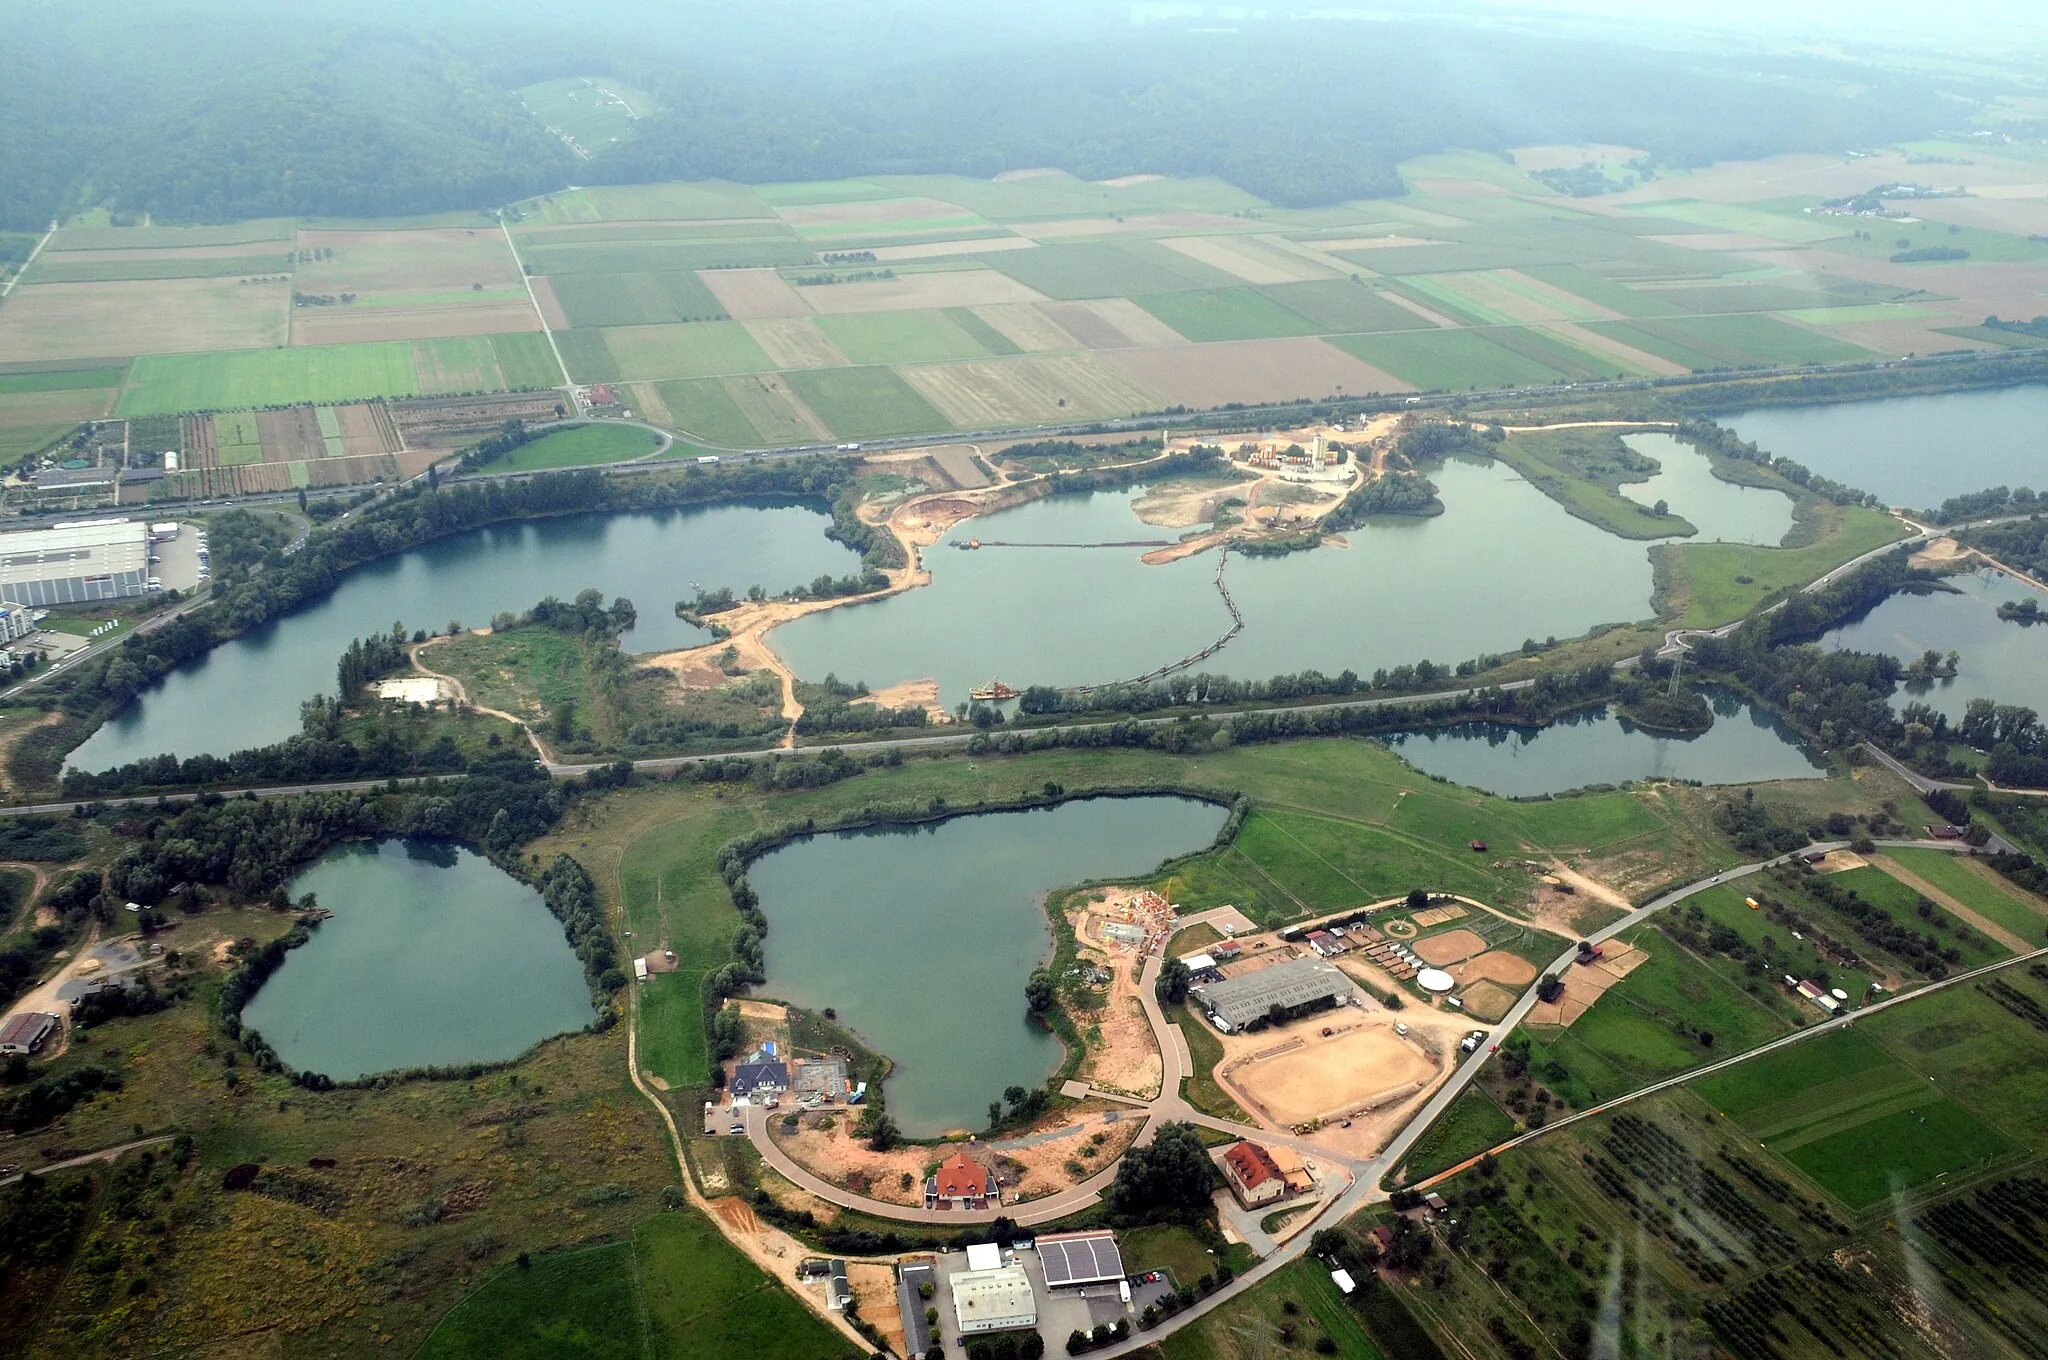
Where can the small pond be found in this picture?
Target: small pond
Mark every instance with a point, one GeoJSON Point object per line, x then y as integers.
{"type": "Point", "coordinates": [1745, 745]}
{"type": "Point", "coordinates": [2006, 662]}
{"type": "Point", "coordinates": [434, 957]}
{"type": "Point", "coordinates": [922, 937]}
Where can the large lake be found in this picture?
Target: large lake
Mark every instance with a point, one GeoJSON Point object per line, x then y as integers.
{"type": "Point", "coordinates": [1722, 511]}
{"type": "Point", "coordinates": [247, 692]}
{"type": "Point", "coordinates": [1595, 746]}
{"type": "Point", "coordinates": [2006, 662]}
{"type": "Point", "coordinates": [922, 937]}
{"type": "Point", "coordinates": [434, 957]}
{"type": "Point", "coordinates": [1503, 563]}
{"type": "Point", "coordinates": [1912, 451]}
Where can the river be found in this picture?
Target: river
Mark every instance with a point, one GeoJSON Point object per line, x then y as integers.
{"type": "Point", "coordinates": [1912, 451]}
{"type": "Point", "coordinates": [247, 692]}
{"type": "Point", "coordinates": [434, 957]}
{"type": "Point", "coordinates": [922, 937]}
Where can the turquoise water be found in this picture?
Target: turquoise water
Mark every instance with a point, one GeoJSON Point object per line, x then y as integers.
{"type": "Point", "coordinates": [922, 937]}
{"type": "Point", "coordinates": [247, 692]}
{"type": "Point", "coordinates": [2005, 662]}
{"type": "Point", "coordinates": [434, 957]}
{"type": "Point", "coordinates": [1503, 563]}
{"type": "Point", "coordinates": [1912, 451]}
{"type": "Point", "coordinates": [1595, 746]}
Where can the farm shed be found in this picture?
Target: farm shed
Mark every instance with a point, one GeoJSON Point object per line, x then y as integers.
{"type": "Point", "coordinates": [1297, 985]}
{"type": "Point", "coordinates": [27, 1032]}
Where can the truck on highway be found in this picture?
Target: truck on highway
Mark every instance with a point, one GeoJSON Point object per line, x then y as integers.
{"type": "Point", "coordinates": [708, 458]}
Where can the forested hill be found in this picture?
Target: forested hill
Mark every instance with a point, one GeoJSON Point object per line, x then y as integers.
{"type": "Point", "coordinates": [209, 110]}
{"type": "Point", "coordinates": [1304, 116]}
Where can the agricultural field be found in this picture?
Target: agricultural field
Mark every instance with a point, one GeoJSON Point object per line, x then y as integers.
{"type": "Point", "coordinates": [580, 447]}
{"type": "Point", "coordinates": [675, 1289]}
{"type": "Point", "coordinates": [1191, 293]}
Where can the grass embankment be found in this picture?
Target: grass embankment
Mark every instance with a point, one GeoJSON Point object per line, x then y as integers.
{"type": "Point", "coordinates": [1583, 471]}
{"type": "Point", "coordinates": [579, 446]}
{"type": "Point", "coordinates": [1318, 1310]}
{"type": "Point", "coordinates": [675, 1290]}
{"type": "Point", "coordinates": [1471, 1125]}
{"type": "Point", "coordinates": [1704, 585]}
{"type": "Point", "coordinates": [1377, 828]}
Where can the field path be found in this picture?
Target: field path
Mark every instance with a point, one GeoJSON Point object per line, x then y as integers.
{"type": "Point", "coordinates": [462, 694]}
{"type": "Point", "coordinates": [1977, 920]}
{"type": "Point", "coordinates": [526, 280]}
{"type": "Point", "coordinates": [9, 288]}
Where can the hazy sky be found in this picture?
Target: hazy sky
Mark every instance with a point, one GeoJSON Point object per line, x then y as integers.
{"type": "Point", "coordinates": [1845, 20]}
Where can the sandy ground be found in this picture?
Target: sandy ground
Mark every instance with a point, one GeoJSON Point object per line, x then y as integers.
{"type": "Point", "coordinates": [922, 694]}
{"type": "Point", "coordinates": [874, 1290]}
{"type": "Point", "coordinates": [1450, 946]}
{"type": "Point", "coordinates": [1184, 504]}
{"type": "Point", "coordinates": [1362, 1066]}
{"type": "Point", "coordinates": [1122, 1053]}
{"type": "Point", "coordinates": [1841, 862]}
{"type": "Point", "coordinates": [1584, 985]}
{"type": "Point", "coordinates": [1030, 1164]}
{"type": "Point", "coordinates": [1941, 552]}
{"type": "Point", "coordinates": [1496, 966]}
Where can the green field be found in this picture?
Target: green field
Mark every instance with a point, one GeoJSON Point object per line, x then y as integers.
{"type": "Point", "coordinates": [1707, 572]}
{"type": "Point", "coordinates": [1472, 1124]}
{"type": "Point", "coordinates": [582, 446]}
{"type": "Point", "coordinates": [991, 340]}
{"type": "Point", "coordinates": [161, 384]}
{"type": "Point", "coordinates": [676, 1291]}
{"type": "Point", "coordinates": [1344, 307]}
{"type": "Point", "coordinates": [47, 270]}
{"type": "Point", "coordinates": [707, 410]}
{"type": "Point", "coordinates": [1880, 889]}
{"type": "Point", "coordinates": [588, 356]}
{"type": "Point", "coordinates": [1726, 905]}
{"type": "Point", "coordinates": [864, 403]}
{"type": "Point", "coordinates": [1872, 1161]}
{"type": "Point", "coordinates": [466, 364]}
{"type": "Point", "coordinates": [526, 360]}
{"type": "Point", "coordinates": [1226, 314]}
{"type": "Point", "coordinates": [1319, 1311]}
{"type": "Point", "coordinates": [683, 351]}
{"type": "Point", "coordinates": [1447, 360]}
{"type": "Point", "coordinates": [1765, 1083]}
{"type": "Point", "coordinates": [61, 380]}
{"type": "Point", "coordinates": [596, 117]}
{"type": "Point", "coordinates": [902, 337]}
{"type": "Point", "coordinates": [1556, 463]}
{"type": "Point", "coordinates": [1105, 269]}
{"type": "Point", "coordinates": [635, 299]}
{"type": "Point", "coordinates": [612, 256]}
{"type": "Point", "coordinates": [1979, 891]}
{"type": "Point", "coordinates": [1753, 221]}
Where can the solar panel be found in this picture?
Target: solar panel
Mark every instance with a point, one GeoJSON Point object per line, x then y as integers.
{"type": "Point", "coordinates": [1083, 1260]}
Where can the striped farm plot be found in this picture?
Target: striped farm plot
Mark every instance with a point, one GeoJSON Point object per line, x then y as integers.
{"type": "Point", "coordinates": [825, 223]}
{"type": "Point", "coordinates": [796, 342]}
{"type": "Point", "coordinates": [331, 438]}
{"type": "Point", "coordinates": [753, 294]}
{"type": "Point", "coordinates": [1029, 388]}
{"type": "Point", "coordinates": [707, 349]}
{"type": "Point", "coordinates": [1028, 327]}
{"type": "Point", "coordinates": [1111, 323]}
{"type": "Point", "coordinates": [1250, 258]}
{"type": "Point", "coordinates": [901, 337]}
{"type": "Point", "coordinates": [913, 292]}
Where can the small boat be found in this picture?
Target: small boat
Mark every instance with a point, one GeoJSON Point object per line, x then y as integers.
{"type": "Point", "coordinates": [994, 689]}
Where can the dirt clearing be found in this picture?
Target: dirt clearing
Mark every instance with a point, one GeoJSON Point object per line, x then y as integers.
{"type": "Point", "coordinates": [1496, 966]}
{"type": "Point", "coordinates": [1449, 947]}
{"type": "Point", "coordinates": [1250, 371]}
{"type": "Point", "coordinates": [753, 294]}
{"type": "Point", "coordinates": [1304, 1077]}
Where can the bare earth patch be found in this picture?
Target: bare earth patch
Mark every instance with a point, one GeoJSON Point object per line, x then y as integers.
{"type": "Point", "coordinates": [753, 294]}
{"type": "Point", "coordinates": [1111, 323]}
{"type": "Point", "coordinates": [1450, 947]}
{"type": "Point", "coordinates": [353, 325]}
{"type": "Point", "coordinates": [912, 292]}
{"type": "Point", "coordinates": [1586, 984]}
{"type": "Point", "coordinates": [158, 316]}
{"type": "Point", "coordinates": [1305, 1077]}
{"type": "Point", "coordinates": [1184, 504]}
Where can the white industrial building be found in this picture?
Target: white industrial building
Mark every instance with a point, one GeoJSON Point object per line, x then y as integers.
{"type": "Point", "coordinates": [997, 1300]}
{"type": "Point", "coordinates": [17, 621]}
{"type": "Point", "coordinates": [75, 562]}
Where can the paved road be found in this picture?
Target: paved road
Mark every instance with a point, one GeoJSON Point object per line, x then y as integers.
{"type": "Point", "coordinates": [1920, 782]}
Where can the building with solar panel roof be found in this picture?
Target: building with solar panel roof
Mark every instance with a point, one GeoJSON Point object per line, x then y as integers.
{"type": "Point", "coordinates": [1078, 1259]}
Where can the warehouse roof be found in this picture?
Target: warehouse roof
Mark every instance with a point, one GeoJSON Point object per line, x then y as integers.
{"type": "Point", "coordinates": [1080, 1258]}
{"type": "Point", "coordinates": [1239, 1001]}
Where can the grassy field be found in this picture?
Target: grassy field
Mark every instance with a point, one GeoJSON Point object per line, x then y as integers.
{"type": "Point", "coordinates": [705, 408]}
{"type": "Point", "coordinates": [581, 446]}
{"type": "Point", "coordinates": [1447, 360]}
{"type": "Point", "coordinates": [1880, 889]}
{"type": "Point", "coordinates": [635, 299]}
{"type": "Point", "coordinates": [1558, 462]}
{"type": "Point", "coordinates": [527, 672]}
{"type": "Point", "coordinates": [1227, 314]}
{"type": "Point", "coordinates": [1234, 1332]}
{"type": "Point", "coordinates": [675, 1291]}
{"type": "Point", "coordinates": [161, 384]}
{"type": "Point", "coordinates": [1472, 1124]}
{"type": "Point", "coordinates": [526, 360]}
{"type": "Point", "coordinates": [1713, 583]}
{"type": "Point", "coordinates": [864, 403]}
{"type": "Point", "coordinates": [595, 111]}
{"type": "Point", "coordinates": [1977, 888]}
{"type": "Point", "coordinates": [903, 337]}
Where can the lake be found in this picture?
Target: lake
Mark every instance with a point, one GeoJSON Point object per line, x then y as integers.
{"type": "Point", "coordinates": [2007, 662]}
{"type": "Point", "coordinates": [1912, 451]}
{"type": "Point", "coordinates": [1745, 745]}
{"type": "Point", "coordinates": [434, 957]}
{"type": "Point", "coordinates": [1503, 563]}
{"type": "Point", "coordinates": [247, 692]}
{"type": "Point", "coordinates": [1722, 511]}
{"type": "Point", "coordinates": [922, 937]}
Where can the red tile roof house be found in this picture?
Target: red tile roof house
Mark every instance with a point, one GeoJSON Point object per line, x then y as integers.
{"type": "Point", "coordinates": [1253, 1176]}
{"type": "Point", "coordinates": [961, 1183]}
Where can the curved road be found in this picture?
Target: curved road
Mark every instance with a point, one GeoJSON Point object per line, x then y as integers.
{"type": "Point", "coordinates": [1367, 1175]}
